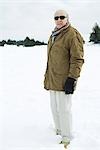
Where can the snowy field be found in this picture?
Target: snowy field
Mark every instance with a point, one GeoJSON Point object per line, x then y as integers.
{"type": "Point", "coordinates": [25, 116]}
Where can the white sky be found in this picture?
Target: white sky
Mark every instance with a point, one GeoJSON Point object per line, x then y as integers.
{"type": "Point", "coordinates": [34, 18]}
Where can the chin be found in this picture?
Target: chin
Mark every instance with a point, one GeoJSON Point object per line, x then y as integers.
{"type": "Point", "coordinates": [59, 26]}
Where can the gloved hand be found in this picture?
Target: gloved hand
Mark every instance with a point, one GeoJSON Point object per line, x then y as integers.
{"type": "Point", "coordinates": [69, 85]}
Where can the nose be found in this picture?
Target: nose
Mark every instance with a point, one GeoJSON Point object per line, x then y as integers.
{"type": "Point", "coordinates": [59, 19]}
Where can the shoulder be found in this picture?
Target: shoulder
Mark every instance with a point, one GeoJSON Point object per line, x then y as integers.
{"type": "Point", "coordinates": [71, 30]}
{"type": "Point", "coordinates": [74, 33]}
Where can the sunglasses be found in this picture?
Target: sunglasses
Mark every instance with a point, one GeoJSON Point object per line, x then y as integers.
{"type": "Point", "coordinates": [61, 17]}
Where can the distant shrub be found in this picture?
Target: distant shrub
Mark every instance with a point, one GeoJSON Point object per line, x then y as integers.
{"type": "Point", "coordinates": [2, 43]}
{"type": "Point", "coordinates": [11, 42]}
{"type": "Point", "coordinates": [95, 35]}
{"type": "Point", "coordinates": [40, 43]}
{"type": "Point", "coordinates": [27, 42]}
{"type": "Point", "coordinates": [18, 43]}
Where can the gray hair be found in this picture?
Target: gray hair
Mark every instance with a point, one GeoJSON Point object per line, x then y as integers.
{"type": "Point", "coordinates": [62, 12]}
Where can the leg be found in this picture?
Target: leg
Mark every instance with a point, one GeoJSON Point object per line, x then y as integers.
{"type": "Point", "coordinates": [55, 110]}
{"type": "Point", "coordinates": [65, 116]}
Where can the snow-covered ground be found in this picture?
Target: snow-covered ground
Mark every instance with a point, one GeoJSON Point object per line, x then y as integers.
{"type": "Point", "coordinates": [25, 116]}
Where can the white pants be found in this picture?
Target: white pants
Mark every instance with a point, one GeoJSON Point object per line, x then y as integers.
{"type": "Point", "coordinates": [61, 110]}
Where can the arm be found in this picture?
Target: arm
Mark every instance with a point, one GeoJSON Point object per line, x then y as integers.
{"type": "Point", "coordinates": [76, 60]}
{"type": "Point", "coordinates": [76, 57]}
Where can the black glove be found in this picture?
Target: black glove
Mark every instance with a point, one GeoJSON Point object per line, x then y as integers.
{"type": "Point", "coordinates": [69, 85]}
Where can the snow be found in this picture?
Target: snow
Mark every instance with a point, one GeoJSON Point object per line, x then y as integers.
{"type": "Point", "coordinates": [25, 116]}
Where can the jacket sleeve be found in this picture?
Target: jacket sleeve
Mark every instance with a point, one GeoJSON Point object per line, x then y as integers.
{"type": "Point", "coordinates": [76, 53]}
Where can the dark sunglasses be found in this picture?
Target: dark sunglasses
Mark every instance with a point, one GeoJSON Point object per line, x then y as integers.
{"type": "Point", "coordinates": [61, 17]}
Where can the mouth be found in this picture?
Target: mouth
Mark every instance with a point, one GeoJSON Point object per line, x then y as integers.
{"type": "Point", "coordinates": [60, 23]}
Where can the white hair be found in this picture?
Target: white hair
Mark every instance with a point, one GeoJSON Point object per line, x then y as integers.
{"type": "Point", "coordinates": [62, 12]}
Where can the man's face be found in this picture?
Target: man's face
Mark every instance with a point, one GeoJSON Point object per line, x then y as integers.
{"type": "Point", "coordinates": [60, 19]}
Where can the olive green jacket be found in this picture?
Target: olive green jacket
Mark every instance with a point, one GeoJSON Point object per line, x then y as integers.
{"type": "Point", "coordinates": [65, 59]}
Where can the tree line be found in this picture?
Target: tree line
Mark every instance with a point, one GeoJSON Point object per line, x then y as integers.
{"type": "Point", "coordinates": [27, 42]}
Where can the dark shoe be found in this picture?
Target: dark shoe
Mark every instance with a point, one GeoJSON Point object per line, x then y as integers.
{"type": "Point", "coordinates": [65, 143]}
